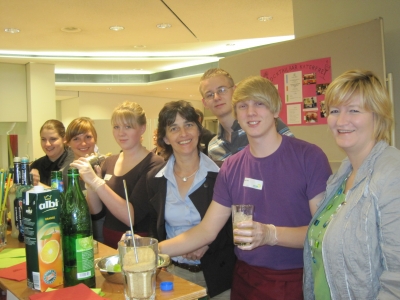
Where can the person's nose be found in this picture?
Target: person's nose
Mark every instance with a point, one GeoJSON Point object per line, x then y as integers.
{"type": "Point", "coordinates": [121, 131]}
{"type": "Point", "coordinates": [342, 118]}
{"type": "Point", "coordinates": [216, 96]}
{"type": "Point", "coordinates": [183, 131]}
{"type": "Point", "coordinates": [251, 111]}
{"type": "Point", "coordinates": [48, 143]}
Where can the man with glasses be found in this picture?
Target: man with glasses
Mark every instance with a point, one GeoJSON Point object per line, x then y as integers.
{"type": "Point", "coordinates": [216, 87]}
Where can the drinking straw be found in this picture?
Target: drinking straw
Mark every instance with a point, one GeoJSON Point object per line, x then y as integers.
{"type": "Point", "coordinates": [3, 205]}
{"type": "Point", "coordinates": [130, 221]}
{"type": "Point", "coordinates": [6, 194]}
{"type": "Point", "coordinates": [1, 186]}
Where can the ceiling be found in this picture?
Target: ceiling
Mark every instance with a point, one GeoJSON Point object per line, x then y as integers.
{"type": "Point", "coordinates": [142, 59]}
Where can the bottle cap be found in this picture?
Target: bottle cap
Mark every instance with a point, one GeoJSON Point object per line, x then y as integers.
{"type": "Point", "coordinates": [38, 188]}
{"type": "Point", "coordinates": [24, 159]}
{"type": "Point", "coordinates": [17, 159]}
{"type": "Point", "coordinates": [166, 286]}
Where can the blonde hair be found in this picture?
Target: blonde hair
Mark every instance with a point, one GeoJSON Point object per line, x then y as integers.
{"type": "Point", "coordinates": [79, 126]}
{"type": "Point", "coordinates": [215, 72]}
{"type": "Point", "coordinates": [129, 113]}
{"type": "Point", "coordinates": [260, 89]}
{"type": "Point", "coordinates": [373, 96]}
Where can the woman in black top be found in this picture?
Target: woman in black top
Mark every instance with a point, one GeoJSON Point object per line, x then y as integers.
{"type": "Point", "coordinates": [57, 156]}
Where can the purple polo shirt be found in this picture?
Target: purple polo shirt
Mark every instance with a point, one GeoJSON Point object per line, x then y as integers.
{"type": "Point", "coordinates": [295, 173]}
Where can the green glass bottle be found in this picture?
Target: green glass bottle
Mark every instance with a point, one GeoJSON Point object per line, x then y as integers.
{"type": "Point", "coordinates": [77, 235]}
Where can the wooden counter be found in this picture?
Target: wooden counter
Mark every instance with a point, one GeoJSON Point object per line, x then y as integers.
{"type": "Point", "coordinates": [183, 289]}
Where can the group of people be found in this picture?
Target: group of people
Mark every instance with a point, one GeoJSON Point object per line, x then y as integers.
{"type": "Point", "coordinates": [313, 235]}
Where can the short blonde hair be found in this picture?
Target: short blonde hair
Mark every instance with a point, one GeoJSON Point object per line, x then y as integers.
{"type": "Point", "coordinates": [129, 113]}
{"type": "Point", "coordinates": [260, 89]}
{"type": "Point", "coordinates": [374, 98]}
{"type": "Point", "coordinates": [213, 73]}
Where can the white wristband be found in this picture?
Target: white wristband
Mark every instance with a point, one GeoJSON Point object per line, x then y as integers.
{"type": "Point", "coordinates": [272, 237]}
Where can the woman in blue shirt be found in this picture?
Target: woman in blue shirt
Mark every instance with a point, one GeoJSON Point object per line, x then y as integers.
{"type": "Point", "coordinates": [180, 192]}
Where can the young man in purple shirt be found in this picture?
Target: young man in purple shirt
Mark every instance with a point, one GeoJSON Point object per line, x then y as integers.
{"type": "Point", "coordinates": [284, 178]}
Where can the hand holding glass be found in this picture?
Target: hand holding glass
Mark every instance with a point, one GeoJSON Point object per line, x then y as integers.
{"type": "Point", "coordinates": [240, 213]}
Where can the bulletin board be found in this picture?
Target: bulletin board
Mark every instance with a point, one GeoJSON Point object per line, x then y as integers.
{"type": "Point", "coordinates": [302, 89]}
{"type": "Point", "coordinates": [358, 46]}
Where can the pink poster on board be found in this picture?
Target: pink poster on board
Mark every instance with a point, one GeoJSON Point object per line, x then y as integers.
{"type": "Point", "coordinates": [302, 89]}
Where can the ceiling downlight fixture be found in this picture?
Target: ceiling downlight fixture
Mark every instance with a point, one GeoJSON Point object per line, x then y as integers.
{"type": "Point", "coordinates": [163, 25]}
{"type": "Point", "coordinates": [265, 18]}
{"type": "Point", "coordinates": [117, 28]}
{"type": "Point", "coordinates": [11, 30]}
{"type": "Point", "coordinates": [71, 29]}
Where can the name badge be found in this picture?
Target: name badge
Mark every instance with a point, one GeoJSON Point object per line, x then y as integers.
{"type": "Point", "coordinates": [107, 177]}
{"type": "Point", "coordinates": [253, 183]}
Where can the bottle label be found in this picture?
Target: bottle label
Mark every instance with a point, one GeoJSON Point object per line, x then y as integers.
{"type": "Point", "coordinates": [84, 258]}
{"type": "Point", "coordinates": [57, 185]}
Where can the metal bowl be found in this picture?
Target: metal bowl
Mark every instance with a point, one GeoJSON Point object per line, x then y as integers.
{"type": "Point", "coordinates": [107, 263]}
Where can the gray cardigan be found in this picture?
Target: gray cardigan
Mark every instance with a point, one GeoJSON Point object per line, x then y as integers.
{"type": "Point", "coordinates": [361, 246]}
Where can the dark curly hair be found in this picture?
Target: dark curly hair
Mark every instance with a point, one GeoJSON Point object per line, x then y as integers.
{"type": "Point", "coordinates": [167, 117]}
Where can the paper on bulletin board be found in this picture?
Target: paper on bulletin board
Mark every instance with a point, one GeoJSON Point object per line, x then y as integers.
{"type": "Point", "coordinates": [302, 87]}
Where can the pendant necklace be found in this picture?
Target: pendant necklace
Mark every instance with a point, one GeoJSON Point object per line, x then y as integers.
{"type": "Point", "coordinates": [185, 178]}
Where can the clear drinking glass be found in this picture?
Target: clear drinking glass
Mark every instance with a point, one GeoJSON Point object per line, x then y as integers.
{"type": "Point", "coordinates": [138, 267]}
{"type": "Point", "coordinates": [240, 213]}
{"type": "Point", "coordinates": [3, 229]}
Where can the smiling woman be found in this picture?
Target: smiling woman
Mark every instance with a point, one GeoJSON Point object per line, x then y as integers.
{"type": "Point", "coordinates": [81, 136]}
{"type": "Point", "coordinates": [180, 193]}
{"type": "Point", "coordinates": [361, 208]}
{"type": "Point", "coordinates": [57, 157]}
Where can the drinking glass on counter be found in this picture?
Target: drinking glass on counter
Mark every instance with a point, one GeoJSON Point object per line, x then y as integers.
{"type": "Point", "coordinates": [138, 267]}
{"type": "Point", "coordinates": [240, 213]}
{"type": "Point", "coordinates": [3, 228]}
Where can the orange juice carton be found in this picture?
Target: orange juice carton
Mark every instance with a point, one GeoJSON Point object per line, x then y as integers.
{"type": "Point", "coordinates": [41, 217]}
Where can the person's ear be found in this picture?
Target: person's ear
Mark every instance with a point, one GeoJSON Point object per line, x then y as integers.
{"type": "Point", "coordinates": [166, 140]}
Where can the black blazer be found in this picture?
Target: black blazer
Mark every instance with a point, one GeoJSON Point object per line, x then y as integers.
{"type": "Point", "coordinates": [219, 261]}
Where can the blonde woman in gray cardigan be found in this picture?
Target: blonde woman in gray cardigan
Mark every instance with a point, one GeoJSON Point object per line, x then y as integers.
{"type": "Point", "coordinates": [352, 248]}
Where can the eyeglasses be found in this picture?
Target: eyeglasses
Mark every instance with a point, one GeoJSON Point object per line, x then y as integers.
{"type": "Point", "coordinates": [220, 91]}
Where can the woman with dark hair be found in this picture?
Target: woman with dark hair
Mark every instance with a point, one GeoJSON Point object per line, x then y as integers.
{"type": "Point", "coordinates": [52, 137]}
{"type": "Point", "coordinates": [180, 192]}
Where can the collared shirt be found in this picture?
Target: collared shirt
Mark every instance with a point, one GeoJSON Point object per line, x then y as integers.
{"type": "Point", "coordinates": [180, 213]}
{"type": "Point", "coordinates": [220, 149]}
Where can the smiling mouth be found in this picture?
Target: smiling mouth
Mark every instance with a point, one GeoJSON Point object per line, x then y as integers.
{"type": "Point", "coordinates": [184, 142]}
{"type": "Point", "coordinates": [345, 131]}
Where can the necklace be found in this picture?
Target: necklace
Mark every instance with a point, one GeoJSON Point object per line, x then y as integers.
{"type": "Point", "coordinates": [185, 178]}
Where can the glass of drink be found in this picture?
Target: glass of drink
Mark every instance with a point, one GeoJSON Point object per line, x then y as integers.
{"type": "Point", "coordinates": [240, 213]}
{"type": "Point", "coordinates": [138, 267]}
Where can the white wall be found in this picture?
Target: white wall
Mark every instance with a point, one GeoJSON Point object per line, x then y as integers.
{"type": "Point", "coordinates": [313, 16]}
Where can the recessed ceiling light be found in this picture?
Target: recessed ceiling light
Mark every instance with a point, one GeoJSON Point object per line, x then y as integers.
{"type": "Point", "coordinates": [163, 25]}
{"type": "Point", "coordinates": [230, 45]}
{"type": "Point", "coordinates": [117, 28]}
{"type": "Point", "coordinates": [168, 88]}
{"type": "Point", "coordinates": [71, 29]}
{"type": "Point", "coordinates": [139, 46]}
{"type": "Point", "coordinates": [265, 18]}
{"type": "Point", "coordinates": [11, 30]}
